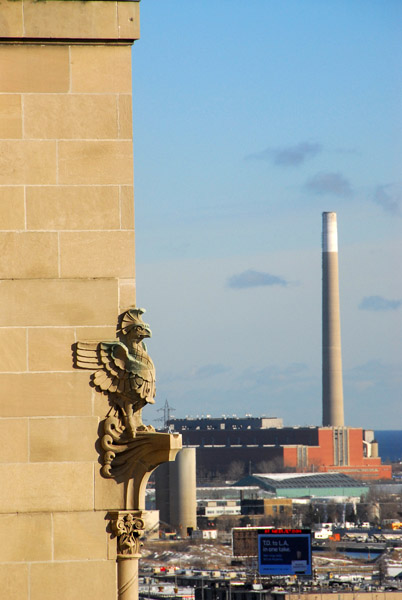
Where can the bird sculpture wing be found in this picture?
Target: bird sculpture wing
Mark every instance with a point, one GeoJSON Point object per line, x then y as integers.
{"type": "Point", "coordinates": [116, 370]}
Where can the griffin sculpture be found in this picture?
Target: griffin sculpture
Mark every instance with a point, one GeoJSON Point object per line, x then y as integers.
{"type": "Point", "coordinates": [123, 369]}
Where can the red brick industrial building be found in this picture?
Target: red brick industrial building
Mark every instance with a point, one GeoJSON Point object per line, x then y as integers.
{"type": "Point", "coordinates": [222, 442]}
{"type": "Point", "coordinates": [342, 449]}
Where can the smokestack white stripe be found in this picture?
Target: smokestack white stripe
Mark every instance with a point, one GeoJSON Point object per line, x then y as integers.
{"type": "Point", "coordinates": [329, 232]}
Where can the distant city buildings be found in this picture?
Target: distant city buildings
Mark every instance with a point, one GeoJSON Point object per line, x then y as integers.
{"type": "Point", "coordinates": [210, 423]}
{"type": "Point", "coordinates": [232, 446]}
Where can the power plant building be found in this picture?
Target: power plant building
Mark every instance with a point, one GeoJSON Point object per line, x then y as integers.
{"type": "Point", "coordinates": [220, 443]}
{"type": "Point", "coordinates": [263, 444]}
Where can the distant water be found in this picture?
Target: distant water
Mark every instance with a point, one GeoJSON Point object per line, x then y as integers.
{"type": "Point", "coordinates": [389, 445]}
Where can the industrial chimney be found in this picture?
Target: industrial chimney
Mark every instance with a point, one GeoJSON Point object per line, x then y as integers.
{"type": "Point", "coordinates": [332, 388]}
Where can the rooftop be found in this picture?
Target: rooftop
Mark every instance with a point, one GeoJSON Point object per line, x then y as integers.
{"type": "Point", "coordinates": [301, 480]}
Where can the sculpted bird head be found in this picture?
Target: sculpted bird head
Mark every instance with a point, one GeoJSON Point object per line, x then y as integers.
{"type": "Point", "coordinates": [133, 325]}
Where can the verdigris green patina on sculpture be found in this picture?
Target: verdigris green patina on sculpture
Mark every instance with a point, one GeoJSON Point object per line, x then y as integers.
{"type": "Point", "coordinates": [124, 371]}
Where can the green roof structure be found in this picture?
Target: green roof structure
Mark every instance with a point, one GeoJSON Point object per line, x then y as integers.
{"type": "Point", "coordinates": [302, 485]}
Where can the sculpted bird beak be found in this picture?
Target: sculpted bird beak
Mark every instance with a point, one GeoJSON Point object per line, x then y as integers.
{"type": "Point", "coordinates": [147, 331]}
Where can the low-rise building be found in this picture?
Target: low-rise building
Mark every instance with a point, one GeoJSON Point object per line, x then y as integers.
{"type": "Point", "coordinates": [303, 485]}
{"type": "Point", "coordinates": [269, 507]}
{"type": "Point", "coordinates": [224, 445]}
{"type": "Point", "coordinates": [216, 508]}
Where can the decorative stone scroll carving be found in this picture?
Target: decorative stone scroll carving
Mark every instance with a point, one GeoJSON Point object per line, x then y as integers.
{"type": "Point", "coordinates": [124, 371]}
{"type": "Point", "coordinates": [133, 460]}
{"type": "Point", "coordinates": [128, 527]}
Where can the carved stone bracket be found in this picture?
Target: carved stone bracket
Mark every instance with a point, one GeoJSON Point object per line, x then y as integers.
{"type": "Point", "coordinates": [123, 370]}
{"type": "Point", "coordinates": [128, 527]}
{"type": "Point", "coordinates": [133, 460]}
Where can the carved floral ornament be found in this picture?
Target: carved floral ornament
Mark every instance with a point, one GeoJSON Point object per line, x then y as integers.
{"type": "Point", "coordinates": [128, 527]}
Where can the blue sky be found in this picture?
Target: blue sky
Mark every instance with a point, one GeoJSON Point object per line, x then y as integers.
{"type": "Point", "coordinates": [250, 120]}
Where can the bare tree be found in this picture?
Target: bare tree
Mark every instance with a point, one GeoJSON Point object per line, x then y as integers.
{"type": "Point", "coordinates": [236, 470]}
{"type": "Point", "coordinates": [272, 466]}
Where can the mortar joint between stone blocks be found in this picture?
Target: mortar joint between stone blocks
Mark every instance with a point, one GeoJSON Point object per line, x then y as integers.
{"type": "Point", "coordinates": [27, 349]}
{"type": "Point", "coordinates": [25, 208]}
{"type": "Point", "coordinates": [120, 216]}
{"type": "Point", "coordinates": [57, 162]}
{"type": "Point", "coordinates": [23, 18]}
{"type": "Point", "coordinates": [52, 535]}
{"type": "Point", "coordinates": [118, 114]}
{"type": "Point", "coordinates": [94, 485]}
{"type": "Point", "coordinates": [29, 440]}
{"type": "Point", "coordinates": [22, 115]}
{"type": "Point", "coordinates": [58, 255]}
{"type": "Point", "coordinates": [69, 70]}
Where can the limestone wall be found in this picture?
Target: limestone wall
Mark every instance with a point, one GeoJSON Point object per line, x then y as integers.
{"type": "Point", "coordinates": [66, 270]}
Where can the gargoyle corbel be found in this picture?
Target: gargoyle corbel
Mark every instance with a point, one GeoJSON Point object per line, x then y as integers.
{"type": "Point", "coordinates": [123, 369]}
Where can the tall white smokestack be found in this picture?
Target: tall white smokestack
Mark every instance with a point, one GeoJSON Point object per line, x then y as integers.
{"type": "Point", "coordinates": [332, 387]}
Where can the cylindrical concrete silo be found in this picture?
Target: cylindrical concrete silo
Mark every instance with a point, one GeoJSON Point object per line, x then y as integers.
{"type": "Point", "coordinates": [332, 386]}
{"type": "Point", "coordinates": [374, 449]}
{"type": "Point", "coordinates": [183, 496]}
{"type": "Point", "coordinates": [162, 491]}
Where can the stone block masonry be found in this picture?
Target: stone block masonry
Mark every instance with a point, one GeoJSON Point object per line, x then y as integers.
{"type": "Point", "coordinates": [66, 272]}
